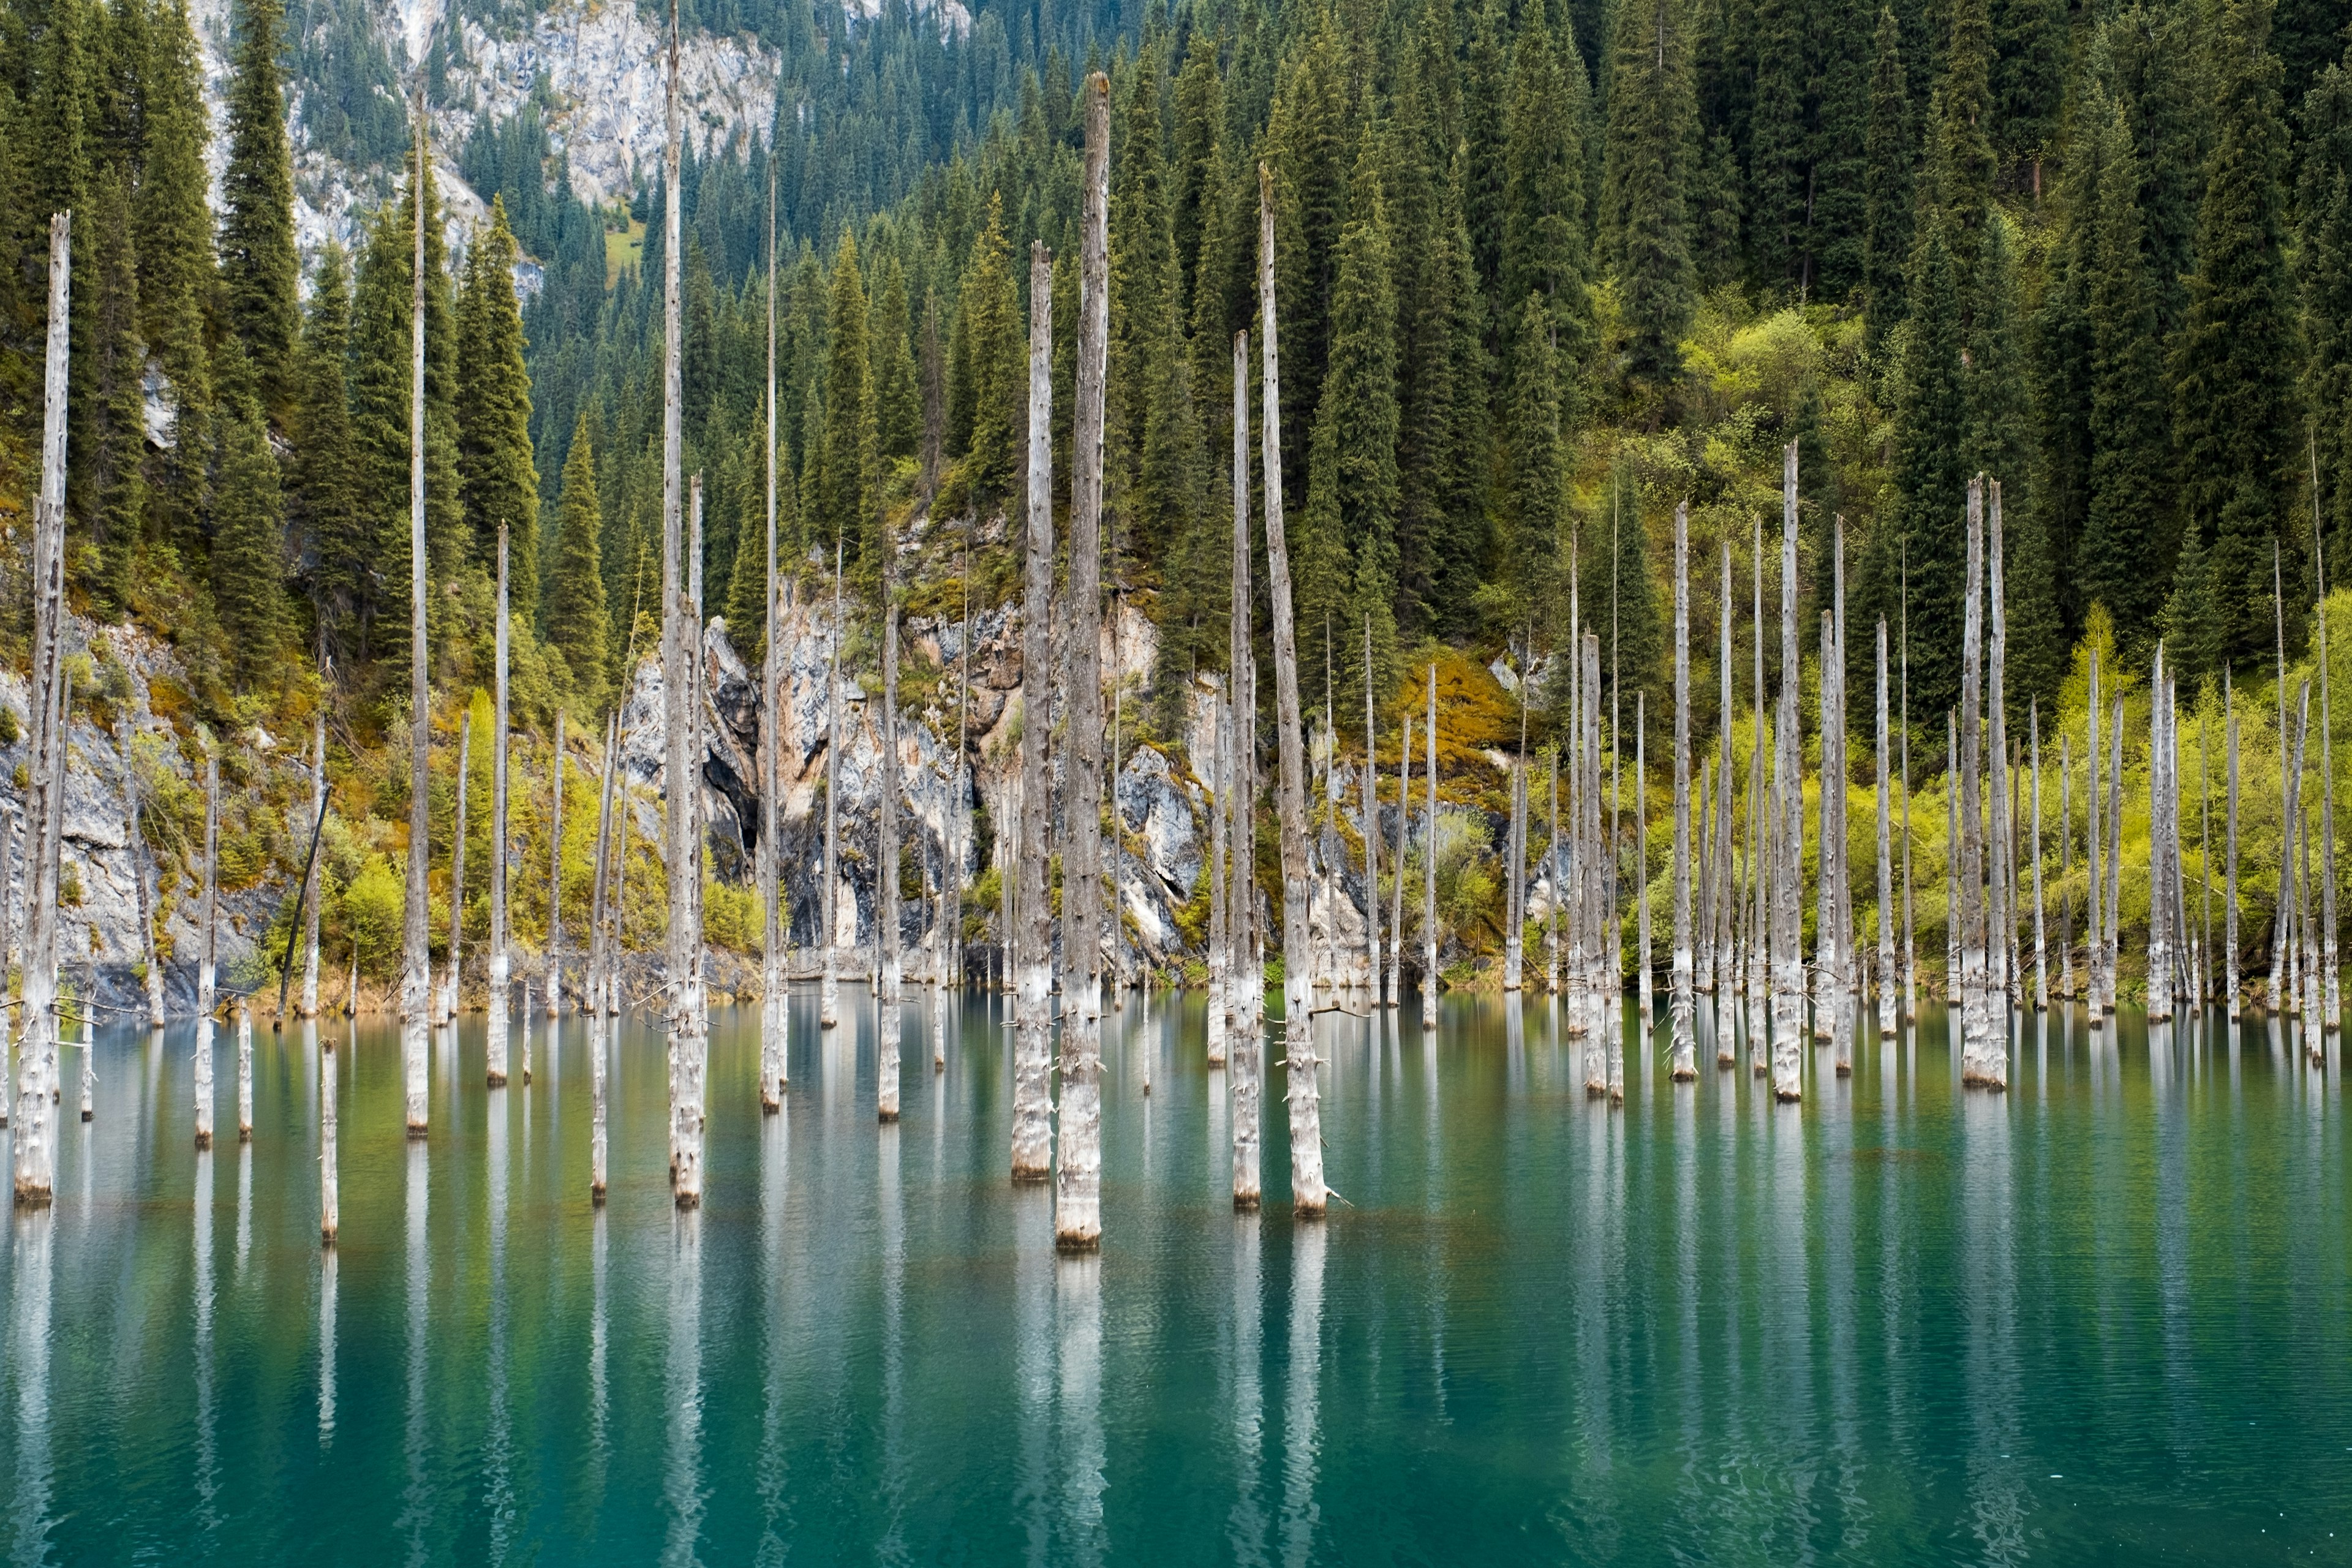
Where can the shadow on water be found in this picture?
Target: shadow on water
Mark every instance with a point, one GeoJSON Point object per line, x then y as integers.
{"type": "Point", "coordinates": [2098, 1318]}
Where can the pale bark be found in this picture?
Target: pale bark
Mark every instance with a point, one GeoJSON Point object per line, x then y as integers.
{"type": "Point", "coordinates": [1910, 930]}
{"type": "Point", "coordinates": [1404, 832]}
{"type": "Point", "coordinates": [207, 950]}
{"type": "Point", "coordinates": [1726, 881]}
{"type": "Point", "coordinates": [775, 1014]}
{"type": "Point", "coordinates": [2065, 866]}
{"type": "Point", "coordinates": [829, 986]}
{"type": "Point", "coordinates": [2160, 879]}
{"type": "Point", "coordinates": [1308, 1193]}
{"type": "Point", "coordinates": [1371, 832]}
{"type": "Point", "coordinates": [2229, 898]}
{"type": "Point", "coordinates": [1645, 972]}
{"type": "Point", "coordinates": [2205, 853]}
{"type": "Point", "coordinates": [415, 976]}
{"type": "Point", "coordinates": [1889, 1017]}
{"type": "Point", "coordinates": [311, 889]}
{"type": "Point", "coordinates": [1220, 806]}
{"type": "Point", "coordinates": [35, 1142]}
{"type": "Point", "coordinates": [1033, 1059]}
{"type": "Point", "coordinates": [330, 1189]}
{"type": "Point", "coordinates": [2041, 929]}
{"type": "Point", "coordinates": [1078, 1189]}
{"type": "Point", "coordinates": [1428, 869]}
{"type": "Point", "coordinates": [2002, 907]}
{"type": "Point", "coordinates": [1976, 1024]}
{"type": "Point", "coordinates": [890, 1023]}
{"type": "Point", "coordinates": [2114, 846]}
{"type": "Point", "coordinates": [602, 986]}
{"type": "Point", "coordinates": [140, 867]}
{"type": "Point", "coordinates": [244, 1073]}
{"type": "Point", "coordinates": [2287, 997]}
{"type": "Point", "coordinates": [681, 656]}
{"type": "Point", "coordinates": [554, 875]}
{"type": "Point", "coordinates": [1952, 927]}
{"type": "Point", "coordinates": [2332, 996]}
{"type": "Point", "coordinates": [1760, 830]}
{"type": "Point", "coordinates": [1828, 987]}
{"type": "Point", "coordinates": [1683, 1008]}
{"type": "Point", "coordinates": [1604, 976]}
{"type": "Point", "coordinates": [89, 1066]}
{"type": "Point", "coordinates": [525, 1014]}
{"type": "Point", "coordinates": [1246, 975]}
{"type": "Point", "coordinates": [2094, 927]}
{"type": "Point", "coordinates": [1703, 876]}
{"type": "Point", "coordinates": [495, 1027]}
{"type": "Point", "coordinates": [1515, 838]}
{"type": "Point", "coordinates": [446, 1008]}
{"type": "Point", "coordinates": [1788, 953]}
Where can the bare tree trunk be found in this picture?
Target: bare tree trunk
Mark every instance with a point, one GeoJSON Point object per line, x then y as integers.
{"type": "Point", "coordinates": [141, 861]}
{"type": "Point", "coordinates": [1246, 973]}
{"type": "Point", "coordinates": [1645, 971]}
{"type": "Point", "coordinates": [2230, 893]}
{"type": "Point", "coordinates": [1910, 931]}
{"type": "Point", "coordinates": [499, 971]}
{"type": "Point", "coordinates": [1760, 826]}
{"type": "Point", "coordinates": [775, 1014]}
{"type": "Point", "coordinates": [448, 1004]}
{"type": "Point", "coordinates": [1889, 1007]}
{"type": "Point", "coordinates": [555, 877]}
{"type": "Point", "coordinates": [1371, 832]}
{"type": "Point", "coordinates": [330, 1188]}
{"type": "Point", "coordinates": [208, 939]}
{"type": "Point", "coordinates": [1429, 871]}
{"type": "Point", "coordinates": [2332, 995]}
{"type": "Point", "coordinates": [1515, 899]}
{"type": "Point", "coordinates": [2114, 847]}
{"type": "Point", "coordinates": [2160, 879]}
{"type": "Point", "coordinates": [1952, 925]}
{"type": "Point", "coordinates": [1032, 1051]}
{"type": "Point", "coordinates": [602, 986]}
{"type": "Point", "coordinates": [310, 891]}
{"type": "Point", "coordinates": [1683, 1007]}
{"type": "Point", "coordinates": [885, 871]}
{"type": "Point", "coordinates": [2065, 866]}
{"type": "Point", "coordinates": [1220, 807]}
{"type": "Point", "coordinates": [1726, 869]}
{"type": "Point", "coordinates": [681, 653]}
{"type": "Point", "coordinates": [2097, 927]}
{"type": "Point", "coordinates": [2040, 936]}
{"type": "Point", "coordinates": [1976, 1026]}
{"type": "Point", "coordinates": [244, 1073]}
{"type": "Point", "coordinates": [1308, 1193]}
{"type": "Point", "coordinates": [1404, 833]}
{"type": "Point", "coordinates": [829, 987]}
{"type": "Point", "coordinates": [415, 977]}
{"type": "Point", "coordinates": [1604, 976]}
{"type": "Point", "coordinates": [1788, 953]}
{"type": "Point", "coordinates": [1828, 987]}
{"type": "Point", "coordinates": [2001, 911]}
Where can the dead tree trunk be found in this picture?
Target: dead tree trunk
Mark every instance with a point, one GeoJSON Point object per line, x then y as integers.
{"type": "Point", "coordinates": [602, 988]}
{"type": "Point", "coordinates": [681, 637]}
{"type": "Point", "coordinates": [1404, 827]}
{"type": "Point", "coordinates": [2332, 996]}
{"type": "Point", "coordinates": [309, 890]}
{"type": "Point", "coordinates": [775, 1014]}
{"type": "Point", "coordinates": [1888, 1015]}
{"type": "Point", "coordinates": [208, 952]}
{"type": "Point", "coordinates": [1759, 827]}
{"type": "Point", "coordinates": [1221, 786]}
{"type": "Point", "coordinates": [829, 987]}
{"type": "Point", "coordinates": [2001, 908]}
{"type": "Point", "coordinates": [2160, 879]}
{"type": "Point", "coordinates": [554, 880]}
{"type": "Point", "coordinates": [415, 977]}
{"type": "Point", "coordinates": [497, 1026]}
{"type": "Point", "coordinates": [1246, 973]}
{"type": "Point", "coordinates": [1033, 1058]}
{"type": "Point", "coordinates": [449, 1005]}
{"type": "Point", "coordinates": [1371, 832]}
{"type": "Point", "coordinates": [1429, 870]}
{"type": "Point", "coordinates": [1308, 1193]}
{"type": "Point", "coordinates": [140, 862]}
{"type": "Point", "coordinates": [1788, 952]}
{"type": "Point", "coordinates": [2095, 932]}
{"type": "Point", "coordinates": [2041, 929]}
{"type": "Point", "coordinates": [1685, 1004]}
{"type": "Point", "coordinates": [885, 871]}
{"type": "Point", "coordinates": [1975, 1021]}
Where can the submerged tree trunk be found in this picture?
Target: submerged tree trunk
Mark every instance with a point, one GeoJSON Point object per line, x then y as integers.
{"type": "Point", "coordinates": [1428, 869]}
{"type": "Point", "coordinates": [2041, 931]}
{"type": "Point", "coordinates": [330, 1186]}
{"type": "Point", "coordinates": [1760, 826]}
{"type": "Point", "coordinates": [244, 1073]}
{"type": "Point", "coordinates": [2065, 866]}
{"type": "Point", "coordinates": [2001, 905]}
{"type": "Point", "coordinates": [209, 940]}
{"type": "Point", "coordinates": [2095, 930]}
{"type": "Point", "coordinates": [890, 1019]}
{"type": "Point", "coordinates": [447, 1008]}
{"type": "Point", "coordinates": [140, 860]}
{"type": "Point", "coordinates": [1245, 976]}
{"type": "Point", "coordinates": [554, 877]}
{"type": "Point", "coordinates": [1976, 1025]}
{"type": "Point", "coordinates": [2331, 995]}
{"type": "Point", "coordinates": [497, 1023]}
{"type": "Point", "coordinates": [415, 976]}
{"type": "Point", "coordinates": [1404, 826]}
{"type": "Point", "coordinates": [1371, 832]}
{"type": "Point", "coordinates": [2230, 899]}
{"type": "Point", "coordinates": [601, 984]}
{"type": "Point", "coordinates": [1033, 1058]}
{"type": "Point", "coordinates": [1788, 952]}
{"type": "Point", "coordinates": [2114, 846]}
{"type": "Point", "coordinates": [2160, 879]}
{"type": "Point", "coordinates": [829, 987]}
{"type": "Point", "coordinates": [1888, 1007]}
{"type": "Point", "coordinates": [1221, 786]}
{"type": "Point", "coordinates": [1308, 1193]}
{"type": "Point", "coordinates": [310, 889]}
{"type": "Point", "coordinates": [1077, 1188]}
{"type": "Point", "coordinates": [775, 1014]}
{"type": "Point", "coordinates": [1685, 1005]}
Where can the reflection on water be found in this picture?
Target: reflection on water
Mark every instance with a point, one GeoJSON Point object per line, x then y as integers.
{"type": "Point", "coordinates": [2096, 1317]}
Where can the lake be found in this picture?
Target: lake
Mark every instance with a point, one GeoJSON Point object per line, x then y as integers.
{"type": "Point", "coordinates": [2106, 1317]}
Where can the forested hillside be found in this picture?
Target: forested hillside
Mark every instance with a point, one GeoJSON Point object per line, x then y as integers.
{"type": "Point", "coordinates": [1546, 270]}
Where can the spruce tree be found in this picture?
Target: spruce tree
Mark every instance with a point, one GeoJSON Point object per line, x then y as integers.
{"type": "Point", "coordinates": [2124, 554]}
{"type": "Point", "coordinates": [1838, 227]}
{"type": "Point", "coordinates": [113, 426]}
{"type": "Point", "coordinates": [2236, 430]}
{"type": "Point", "coordinates": [1777, 170]}
{"type": "Point", "coordinates": [324, 505]}
{"type": "Point", "coordinates": [2028, 84]}
{"type": "Point", "coordinates": [248, 560]}
{"type": "Point", "coordinates": [175, 234]}
{"type": "Point", "coordinates": [257, 245]}
{"type": "Point", "coordinates": [899, 406]}
{"type": "Point", "coordinates": [1533, 500]}
{"type": "Point", "coordinates": [1927, 473]}
{"type": "Point", "coordinates": [578, 621]}
{"type": "Point", "coordinates": [997, 363]}
{"type": "Point", "coordinates": [374, 579]}
{"type": "Point", "coordinates": [1196, 172]}
{"type": "Point", "coordinates": [1544, 255]}
{"type": "Point", "coordinates": [1887, 159]}
{"type": "Point", "coordinates": [1652, 139]}
{"type": "Point", "coordinates": [2000, 419]}
{"type": "Point", "coordinates": [500, 479]}
{"type": "Point", "coordinates": [1965, 165]}
{"type": "Point", "coordinates": [846, 487]}
{"type": "Point", "coordinates": [2323, 274]}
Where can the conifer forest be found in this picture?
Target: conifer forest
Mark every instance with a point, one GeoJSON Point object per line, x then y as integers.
{"type": "Point", "coordinates": [995, 558]}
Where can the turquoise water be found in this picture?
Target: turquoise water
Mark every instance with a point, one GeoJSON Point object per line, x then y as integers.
{"type": "Point", "coordinates": [2107, 1317]}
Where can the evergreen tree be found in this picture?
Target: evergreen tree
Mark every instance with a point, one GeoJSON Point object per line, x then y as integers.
{"type": "Point", "coordinates": [257, 246]}
{"type": "Point", "coordinates": [2028, 83]}
{"type": "Point", "coordinates": [2000, 422]}
{"type": "Point", "coordinates": [2037, 652]}
{"type": "Point", "coordinates": [2060, 349]}
{"type": "Point", "coordinates": [1544, 254]}
{"type": "Point", "coordinates": [997, 367]}
{"type": "Point", "coordinates": [1928, 474]}
{"type": "Point", "coordinates": [899, 401]}
{"type": "Point", "coordinates": [577, 622]}
{"type": "Point", "coordinates": [1964, 152]}
{"type": "Point", "coordinates": [2126, 532]}
{"type": "Point", "coordinates": [173, 229]}
{"type": "Point", "coordinates": [248, 547]}
{"type": "Point", "coordinates": [1778, 173]}
{"type": "Point", "coordinates": [1486, 90]}
{"type": "Point", "coordinates": [847, 492]}
{"type": "Point", "coordinates": [2235, 427]}
{"type": "Point", "coordinates": [324, 504]}
{"type": "Point", "coordinates": [1652, 139]}
{"type": "Point", "coordinates": [1887, 159]}
{"type": "Point", "coordinates": [1196, 174]}
{"type": "Point", "coordinates": [2324, 272]}
{"type": "Point", "coordinates": [112, 423]}
{"type": "Point", "coordinates": [500, 479]}
{"type": "Point", "coordinates": [1838, 231]}
{"type": "Point", "coordinates": [1533, 500]}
